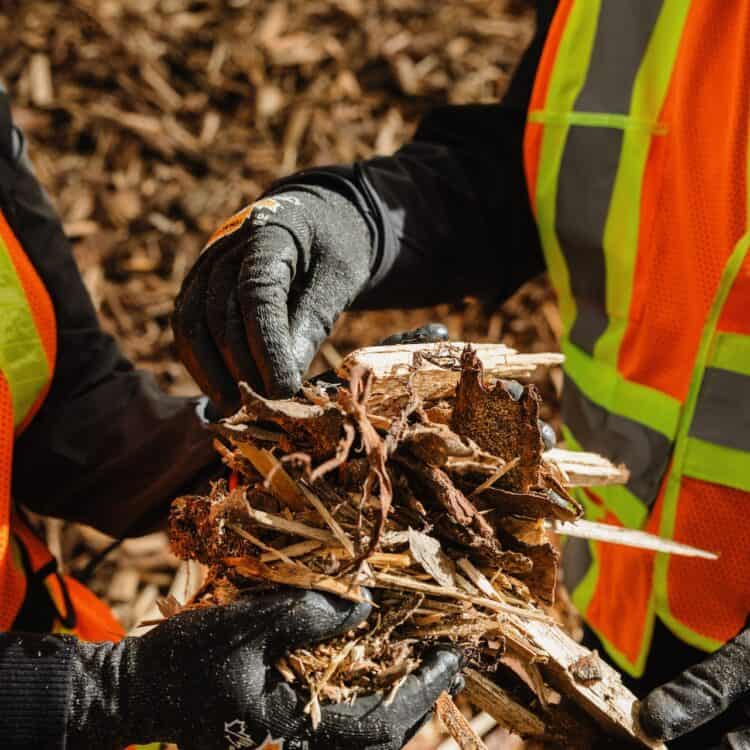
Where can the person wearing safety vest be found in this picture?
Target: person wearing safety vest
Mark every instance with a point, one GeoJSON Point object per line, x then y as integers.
{"type": "Point", "coordinates": [619, 162]}
{"type": "Point", "coordinates": [86, 437]}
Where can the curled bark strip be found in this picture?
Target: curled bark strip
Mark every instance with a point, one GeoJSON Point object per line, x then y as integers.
{"type": "Point", "coordinates": [354, 403]}
{"type": "Point", "coordinates": [342, 454]}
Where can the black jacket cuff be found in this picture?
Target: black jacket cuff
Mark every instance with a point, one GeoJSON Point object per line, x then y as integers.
{"type": "Point", "coordinates": [35, 690]}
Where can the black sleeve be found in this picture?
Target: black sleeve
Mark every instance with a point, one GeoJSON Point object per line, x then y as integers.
{"type": "Point", "coordinates": [108, 447]}
{"type": "Point", "coordinates": [450, 211]}
{"type": "Point", "coordinates": [35, 690]}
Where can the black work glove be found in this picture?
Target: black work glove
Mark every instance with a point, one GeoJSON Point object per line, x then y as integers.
{"type": "Point", "coordinates": [205, 679]}
{"type": "Point", "coordinates": [267, 289]}
{"type": "Point", "coordinates": [701, 693]}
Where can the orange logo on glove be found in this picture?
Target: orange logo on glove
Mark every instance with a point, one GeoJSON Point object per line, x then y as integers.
{"type": "Point", "coordinates": [233, 223]}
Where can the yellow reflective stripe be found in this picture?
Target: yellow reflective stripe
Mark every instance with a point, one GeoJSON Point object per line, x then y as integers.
{"type": "Point", "coordinates": [22, 357]}
{"type": "Point", "coordinates": [731, 351]}
{"type": "Point", "coordinates": [717, 463]}
{"type": "Point", "coordinates": [669, 512]}
{"type": "Point", "coordinates": [604, 385]}
{"type": "Point", "coordinates": [621, 233]}
{"type": "Point", "coordinates": [566, 82]}
{"type": "Point", "coordinates": [597, 119]}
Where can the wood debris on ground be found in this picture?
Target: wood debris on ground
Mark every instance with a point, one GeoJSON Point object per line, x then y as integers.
{"type": "Point", "coordinates": [420, 475]}
{"type": "Point", "coordinates": [151, 121]}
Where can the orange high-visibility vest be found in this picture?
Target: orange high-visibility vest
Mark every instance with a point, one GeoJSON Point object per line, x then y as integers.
{"type": "Point", "coordinates": [636, 155]}
{"type": "Point", "coordinates": [28, 340]}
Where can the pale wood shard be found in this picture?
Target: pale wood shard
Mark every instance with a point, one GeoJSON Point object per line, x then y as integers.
{"type": "Point", "coordinates": [581, 469]}
{"type": "Point", "coordinates": [456, 724]}
{"type": "Point", "coordinates": [279, 482]}
{"type": "Point", "coordinates": [284, 525]}
{"type": "Point", "coordinates": [607, 700]}
{"type": "Point", "coordinates": [333, 524]}
{"type": "Point", "coordinates": [499, 704]}
{"type": "Point", "coordinates": [297, 575]}
{"type": "Point", "coordinates": [432, 369]}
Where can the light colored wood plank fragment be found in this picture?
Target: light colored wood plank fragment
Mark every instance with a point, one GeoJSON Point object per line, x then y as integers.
{"type": "Point", "coordinates": [607, 700]}
{"type": "Point", "coordinates": [482, 724]}
{"type": "Point", "coordinates": [437, 374]}
{"type": "Point", "coordinates": [486, 696]}
{"type": "Point", "coordinates": [456, 724]}
{"type": "Point", "coordinates": [582, 469]}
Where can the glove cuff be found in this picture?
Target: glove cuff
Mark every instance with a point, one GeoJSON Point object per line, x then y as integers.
{"type": "Point", "coordinates": [35, 690]}
{"type": "Point", "coordinates": [109, 707]}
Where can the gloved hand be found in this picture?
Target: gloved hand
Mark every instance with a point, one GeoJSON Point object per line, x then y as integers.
{"type": "Point", "coordinates": [701, 693]}
{"type": "Point", "coordinates": [205, 679]}
{"type": "Point", "coordinates": [267, 289]}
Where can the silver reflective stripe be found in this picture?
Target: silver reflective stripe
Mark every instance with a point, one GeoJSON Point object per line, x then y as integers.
{"type": "Point", "coordinates": [576, 561]}
{"type": "Point", "coordinates": [644, 451]}
{"type": "Point", "coordinates": [587, 178]}
{"type": "Point", "coordinates": [722, 413]}
{"type": "Point", "coordinates": [591, 156]}
{"type": "Point", "coordinates": [622, 33]}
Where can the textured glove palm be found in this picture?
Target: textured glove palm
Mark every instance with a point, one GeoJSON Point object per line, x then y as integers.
{"type": "Point", "coordinates": [205, 679]}
{"type": "Point", "coordinates": [267, 289]}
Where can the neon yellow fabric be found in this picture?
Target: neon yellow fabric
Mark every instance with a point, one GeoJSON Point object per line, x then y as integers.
{"type": "Point", "coordinates": [604, 385]}
{"type": "Point", "coordinates": [698, 452]}
{"type": "Point", "coordinates": [22, 357]}
{"type": "Point", "coordinates": [566, 82]}
{"type": "Point", "coordinates": [731, 351]}
{"type": "Point", "coordinates": [621, 231]}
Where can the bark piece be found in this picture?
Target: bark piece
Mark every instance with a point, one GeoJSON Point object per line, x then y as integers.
{"type": "Point", "coordinates": [313, 428]}
{"type": "Point", "coordinates": [498, 423]}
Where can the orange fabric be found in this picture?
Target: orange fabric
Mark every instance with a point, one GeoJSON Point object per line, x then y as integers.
{"type": "Point", "coordinates": [12, 581]}
{"type": "Point", "coordinates": [95, 621]}
{"type": "Point", "coordinates": [711, 599]}
{"type": "Point", "coordinates": [693, 200]}
{"type": "Point", "coordinates": [40, 304]}
{"type": "Point", "coordinates": [619, 607]}
{"type": "Point", "coordinates": [532, 141]}
{"type": "Point", "coordinates": [735, 316]}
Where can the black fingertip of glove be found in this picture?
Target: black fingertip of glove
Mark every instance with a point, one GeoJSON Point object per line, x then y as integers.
{"type": "Point", "coordinates": [312, 616]}
{"type": "Point", "coordinates": [661, 716]}
{"type": "Point", "coordinates": [440, 667]}
{"type": "Point", "coordinates": [432, 333]}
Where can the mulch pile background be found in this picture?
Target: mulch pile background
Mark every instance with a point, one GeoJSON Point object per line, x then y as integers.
{"type": "Point", "coordinates": [151, 121]}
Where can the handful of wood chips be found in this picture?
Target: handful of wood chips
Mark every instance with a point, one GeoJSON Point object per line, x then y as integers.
{"type": "Point", "coordinates": [421, 474]}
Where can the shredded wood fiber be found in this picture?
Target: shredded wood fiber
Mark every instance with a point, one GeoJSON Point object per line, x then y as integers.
{"type": "Point", "coordinates": [423, 478]}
